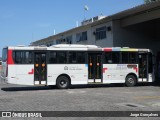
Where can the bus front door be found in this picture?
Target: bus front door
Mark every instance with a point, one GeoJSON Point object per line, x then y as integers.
{"type": "Point", "coordinates": [94, 68]}
{"type": "Point", "coordinates": [40, 68]}
{"type": "Point", "coordinates": [143, 67]}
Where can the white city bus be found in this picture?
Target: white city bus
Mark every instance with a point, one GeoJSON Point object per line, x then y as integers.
{"type": "Point", "coordinates": [65, 65]}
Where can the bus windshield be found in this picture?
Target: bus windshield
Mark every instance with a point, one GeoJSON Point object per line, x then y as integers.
{"type": "Point", "coordinates": [4, 55]}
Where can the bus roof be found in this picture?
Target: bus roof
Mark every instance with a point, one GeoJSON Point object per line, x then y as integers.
{"type": "Point", "coordinates": [108, 49]}
{"type": "Point", "coordinates": [74, 46]}
{"type": "Point", "coordinates": [78, 47]}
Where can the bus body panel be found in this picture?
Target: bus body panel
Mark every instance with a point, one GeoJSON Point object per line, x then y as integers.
{"type": "Point", "coordinates": [127, 69]}
{"type": "Point", "coordinates": [117, 73]}
{"type": "Point", "coordinates": [21, 74]}
{"type": "Point", "coordinates": [111, 73]}
{"type": "Point", "coordinates": [78, 73]}
{"type": "Point", "coordinates": [12, 74]}
{"type": "Point", "coordinates": [25, 76]}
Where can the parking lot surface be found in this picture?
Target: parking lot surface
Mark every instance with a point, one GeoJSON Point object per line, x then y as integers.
{"type": "Point", "coordinates": [80, 98]}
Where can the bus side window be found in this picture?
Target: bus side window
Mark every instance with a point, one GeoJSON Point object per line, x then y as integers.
{"type": "Point", "coordinates": [18, 57]}
{"type": "Point", "coordinates": [132, 57]}
{"type": "Point", "coordinates": [115, 57]}
{"type": "Point", "coordinates": [108, 57]}
{"type": "Point", "coordinates": [22, 57]}
{"type": "Point", "coordinates": [80, 57]}
{"type": "Point", "coordinates": [30, 57]}
{"type": "Point", "coordinates": [61, 57]}
{"type": "Point", "coordinates": [76, 57]}
{"type": "Point", "coordinates": [72, 57]}
{"type": "Point", "coordinates": [27, 57]}
{"type": "Point", "coordinates": [125, 57]}
{"type": "Point", "coordinates": [112, 57]}
{"type": "Point", "coordinates": [129, 57]}
{"type": "Point", "coordinates": [52, 58]}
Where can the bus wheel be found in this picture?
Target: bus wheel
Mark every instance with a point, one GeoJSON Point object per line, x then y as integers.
{"type": "Point", "coordinates": [130, 81]}
{"type": "Point", "coordinates": [62, 82]}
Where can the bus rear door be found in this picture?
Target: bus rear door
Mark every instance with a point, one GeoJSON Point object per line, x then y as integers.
{"type": "Point", "coordinates": [143, 66]}
{"type": "Point", "coordinates": [94, 68]}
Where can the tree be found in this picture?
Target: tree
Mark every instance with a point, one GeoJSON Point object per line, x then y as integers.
{"type": "Point", "coordinates": [148, 1]}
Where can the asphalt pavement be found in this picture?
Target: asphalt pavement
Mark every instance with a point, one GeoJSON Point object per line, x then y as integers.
{"type": "Point", "coordinates": [111, 97]}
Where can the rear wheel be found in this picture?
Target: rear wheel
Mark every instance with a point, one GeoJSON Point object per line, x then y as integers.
{"type": "Point", "coordinates": [131, 81]}
{"type": "Point", "coordinates": [62, 82]}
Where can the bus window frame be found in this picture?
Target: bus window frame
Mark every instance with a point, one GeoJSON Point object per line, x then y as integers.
{"type": "Point", "coordinates": [85, 57]}
{"type": "Point", "coordinates": [67, 56]}
{"type": "Point", "coordinates": [57, 62]}
{"type": "Point", "coordinates": [104, 54]}
{"type": "Point", "coordinates": [32, 58]}
{"type": "Point", "coordinates": [136, 62]}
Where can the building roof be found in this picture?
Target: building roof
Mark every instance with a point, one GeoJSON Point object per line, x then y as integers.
{"type": "Point", "coordinates": [120, 15]}
{"type": "Point", "coordinates": [137, 10]}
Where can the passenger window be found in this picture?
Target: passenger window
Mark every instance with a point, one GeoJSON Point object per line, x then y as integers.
{"type": "Point", "coordinates": [108, 57]}
{"type": "Point", "coordinates": [72, 57]}
{"type": "Point", "coordinates": [22, 57]}
{"type": "Point", "coordinates": [61, 57]}
{"type": "Point", "coordinates": [132, 57]}
{"type": "Point", "coordinates": [129, 57]}
{"type": "Point", "coordinates": [112, 57]}
{"type": "Point", "coordinates": [52, 58]}
{"type": "Point", "coordinates": [27, 58]}
{"type": "Point", "coordinates": [76, 57]}
{"type": "Point", "coordinates": [81, 57]}
{"type": "Point", "coordinates": [18, 57]}
{"type": "Point", "coordinates": [115, 57]}
{"type": "Point", "coordinates": [124, 57]}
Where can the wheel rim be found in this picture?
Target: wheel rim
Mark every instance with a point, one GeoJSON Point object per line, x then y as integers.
{"type": "Point", "coordinates": [63, 83]}
{"type": "Point", "coordinates": [131, 81]}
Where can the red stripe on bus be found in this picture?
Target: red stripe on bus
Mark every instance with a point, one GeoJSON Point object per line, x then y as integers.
{"type": "Point", "coordinates": [32, 71]}
{"type": "Point", "coordinates": [107, 49]}
{"type": "Point", "coordinates": [104, 70]}
{"type": "Point", "coordinates": [10, 58]}
{"type": "Point", "coordinates": [136, 69]}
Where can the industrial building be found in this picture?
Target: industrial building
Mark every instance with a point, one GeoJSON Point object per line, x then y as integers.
{"type": "Point", "coordinates": [137, 27]}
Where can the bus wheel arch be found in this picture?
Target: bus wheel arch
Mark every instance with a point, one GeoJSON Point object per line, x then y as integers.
{"type": "Point", "coordinates": [63, 81]}
{"type": "Point", "coordinates": [131, 80]}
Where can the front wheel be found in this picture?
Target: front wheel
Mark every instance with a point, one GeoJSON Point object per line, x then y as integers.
{"type": "Point", "coordinates": [130, 81]}
{"type": "Point", "coordinates": [62, 82]}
